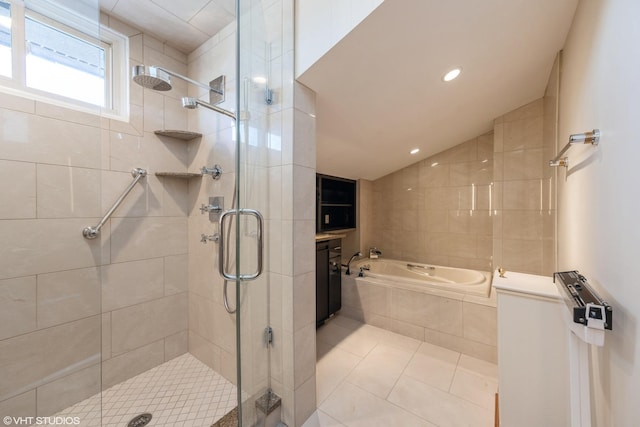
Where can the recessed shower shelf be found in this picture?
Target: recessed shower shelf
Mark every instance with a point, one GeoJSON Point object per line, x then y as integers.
{"type": "Point", "coordinates": [182, 175]}
{"type": "Point", "coordinates": [183, 135]}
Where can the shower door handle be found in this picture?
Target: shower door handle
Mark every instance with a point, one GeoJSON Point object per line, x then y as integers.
{"type": "Point", "coordinates": [260, 244]}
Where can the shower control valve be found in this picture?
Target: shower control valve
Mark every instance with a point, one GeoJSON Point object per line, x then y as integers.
{"type": "Point", "coordinates": [215, 171]}
{"type": "Point", "coordinates": [215, 207]}
{"type": "Point", "coordinates": [210, 208]}
{"type": "Point", "coordinates": [209, 238]}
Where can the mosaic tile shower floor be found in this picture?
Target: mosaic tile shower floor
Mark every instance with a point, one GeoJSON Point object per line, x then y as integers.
{"type": "Point", "coordinates": [182, 392]}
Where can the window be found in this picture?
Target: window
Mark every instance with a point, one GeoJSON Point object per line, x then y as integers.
{"type": "Point", "coordinates": [58, 56]}
{"type": "Point", "coordinates": [5, 39]}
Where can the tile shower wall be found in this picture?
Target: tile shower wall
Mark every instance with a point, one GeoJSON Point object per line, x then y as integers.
{"type": "Point", "coordinates": [59, 293]}
{"type": "Point", "coordinates": [438, 211]}
{"type": "Point", "coordinates": [211, 328]}
{"type": "Point", "coordinates": [281, 179]}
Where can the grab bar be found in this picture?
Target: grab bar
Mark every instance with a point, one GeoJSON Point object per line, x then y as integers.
{"type": "Point", "coordinates": [592, 138]}
{"type": "Point", "coordinates": [93, 232]}
{"type": "Point", "coordinates": [420, 266]}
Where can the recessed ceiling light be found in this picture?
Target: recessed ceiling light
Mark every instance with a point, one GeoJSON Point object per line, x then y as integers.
{"type": "Point", "coordinates": [452, 74]}
{"type": "Point", "coordinates": [414, 151]}
{"type": "Point", "coordinates": [434, 164]}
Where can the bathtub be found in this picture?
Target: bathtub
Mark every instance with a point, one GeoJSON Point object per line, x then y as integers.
{"type": "Point", "coordinates": [421, 277]}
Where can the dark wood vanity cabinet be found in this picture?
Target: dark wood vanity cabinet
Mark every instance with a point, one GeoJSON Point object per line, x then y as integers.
{"type": "Point", "coordinates": [328, 279]}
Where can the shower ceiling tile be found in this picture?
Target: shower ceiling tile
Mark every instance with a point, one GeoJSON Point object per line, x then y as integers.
{"type": "Point", "coordinates": [166, 26]}
{"type": "Point", "coordinates": [184, 10]}
{"type": "Point", "coordinates": [211, 19]}
{"type": "Point", "coordinates": [184, 25]}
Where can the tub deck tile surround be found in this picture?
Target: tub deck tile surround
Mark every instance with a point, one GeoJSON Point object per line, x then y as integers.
{"type": "Point", "coordinates": [459, 322]}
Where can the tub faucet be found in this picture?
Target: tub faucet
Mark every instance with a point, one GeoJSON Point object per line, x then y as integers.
{"type": "Point", "coordinates": [357, 254]}
{"type": "Point", "coordinates": [362, 269]}
{"type": "Point", "coordinates": [374, 253]}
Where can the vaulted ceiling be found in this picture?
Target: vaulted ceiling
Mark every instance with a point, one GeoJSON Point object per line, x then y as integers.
{"type": "Point", "coordinates": [380, 91]}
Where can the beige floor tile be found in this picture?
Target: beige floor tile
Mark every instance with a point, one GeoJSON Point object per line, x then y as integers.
{"type": "Point", "coordinates": [334, 366]}
{"type": "Point", "coordinates": [438, 407]}
{"type": "Point", "coordinates": [355, 407]}
{"type": "Point", "coordinates": [400, 341]}
{"type": "Point", "coordinates": [474, 388]}
{"type": "Point", "coordinates": [320, 419]}
{"type": "Point", "coordinates": [434, 384]}
{"type": "Point", "coordinates": [346, 322]}
{"type": "Point", "coordinates": [332, 333]}
{"type": "Point", "coordinates": [379, 371]}
{"type": "Point", "coordinates": [359, 342]}
{"type": "Point", "coordinates": [478, 366]}
{"type": "Point", "coordinates": [433, 365]}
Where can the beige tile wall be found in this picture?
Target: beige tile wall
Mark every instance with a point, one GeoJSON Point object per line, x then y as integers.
{"type": "Point", "coordinates": [524, 211]}
{"type": "Point", "coordinates": [438, 210]}
{"type": "Point", "coordinates": [67, 303]}
{"type": "Point", "coordinates": [211, 328]}
{"type": "Point", "coordinates": [485, 203]}
{"type": "Point", "coordinates": [278, 173]}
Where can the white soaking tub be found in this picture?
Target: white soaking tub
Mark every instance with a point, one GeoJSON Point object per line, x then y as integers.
{"type": "Point", "coordinates": [421, 277]}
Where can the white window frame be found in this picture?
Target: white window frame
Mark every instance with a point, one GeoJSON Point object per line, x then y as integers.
{"type": "Point", "coordinates": [116, 47]}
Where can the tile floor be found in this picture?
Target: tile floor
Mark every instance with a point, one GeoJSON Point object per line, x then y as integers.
{"type": "Point", "coordinates": [179, 393]}
{"type": "Point", "coordinates": [367, 376]}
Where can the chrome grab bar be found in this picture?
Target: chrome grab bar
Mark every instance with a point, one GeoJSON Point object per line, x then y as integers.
{"type": "Point", "coordinates": [221, 252]}
{"type": "Point", "coordinates": [420, 266]}
{"type": "Point", "coordinates": [592, 138]}
{"type": "Point", "coordinates": [93, 232]}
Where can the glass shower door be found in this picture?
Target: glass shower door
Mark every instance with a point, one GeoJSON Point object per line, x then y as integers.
{"type": "Point", "coordinates": [252, 186]}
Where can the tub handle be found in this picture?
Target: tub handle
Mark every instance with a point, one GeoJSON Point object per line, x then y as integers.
{"type": "Point", "coordinates": [420, 266]}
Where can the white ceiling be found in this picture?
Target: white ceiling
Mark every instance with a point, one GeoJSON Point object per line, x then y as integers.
{"type": "Point", "coordinates": [380, 93]}
{"type": "Point", "coordinates": [182, 24]}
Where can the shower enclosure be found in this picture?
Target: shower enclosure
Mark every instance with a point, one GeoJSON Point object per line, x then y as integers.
{"type": "Point", "coordinates": [104, 330]}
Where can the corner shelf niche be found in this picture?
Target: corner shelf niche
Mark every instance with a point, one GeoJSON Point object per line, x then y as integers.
{"type": "Point", "coordinates": [182, 175]}
{"type": "Point", "coordinates": [182, 135]}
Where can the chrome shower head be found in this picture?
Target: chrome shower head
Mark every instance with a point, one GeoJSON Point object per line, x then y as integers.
{"type": "Point", "coordinates": [151, 78]}
{"type": "Point", "coordinates": [189, 102]}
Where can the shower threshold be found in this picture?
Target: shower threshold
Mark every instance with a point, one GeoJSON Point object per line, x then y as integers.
{"type": "Point", "coordinates": [180, 392]}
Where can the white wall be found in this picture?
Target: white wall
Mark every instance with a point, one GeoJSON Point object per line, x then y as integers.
{"type": "Point", "coordinates": [598, 230]}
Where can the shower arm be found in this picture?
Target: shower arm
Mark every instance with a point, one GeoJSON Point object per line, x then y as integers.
{"type": "Point", "coordinates": [212, 107]}
{"type": "Point", "coordinates": [187, 79]}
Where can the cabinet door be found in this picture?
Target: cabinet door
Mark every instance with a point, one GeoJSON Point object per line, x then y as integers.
{"type": "Point", "coordinates": [322, 282]}
{"type": "Point", "coordinates": [335, 285]}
